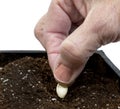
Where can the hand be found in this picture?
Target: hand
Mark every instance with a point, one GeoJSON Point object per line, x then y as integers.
{"type": "Point", "coordinates": [72, 30]}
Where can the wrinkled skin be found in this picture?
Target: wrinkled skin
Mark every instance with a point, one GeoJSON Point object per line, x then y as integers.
{"type": "Point", "coordinates": [72, 30]}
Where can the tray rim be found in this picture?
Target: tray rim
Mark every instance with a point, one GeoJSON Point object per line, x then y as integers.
{"type": "Point", "coordinates": [99, 52]}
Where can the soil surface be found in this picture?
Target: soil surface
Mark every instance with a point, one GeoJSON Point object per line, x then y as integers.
{"type": "Point", "coordinates": [28, 83]}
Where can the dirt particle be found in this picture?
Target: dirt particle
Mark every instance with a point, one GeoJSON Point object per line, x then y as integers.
{"type": "Point", "coordinates": [54, 99]}
{"type": "Point", "coordinates": [93, 93]}
{"type": "Point", "coordinates": [1, 79]}
{"type": "Point", "coordinates": [33, 86]}
{"type": "Point", "coordinates": [95, 105]}
{"type": "Point", "coordinates": [1, 68]}
{"type": "Point", "coordinates": [21, 73]}
{"type": "Point", "coordinates": [6, 80]}
{"type": "Point", "coordinates": [13, 94]}
{"type": "Point", "coordinates": [29, 70]}
{"type": "Point", "coordinates": [82, 100]}
{"type": "Point", "coordinates": [25, 77]}
{"type": "Point", "coordinates": [107, 105]}
{"type": "Point", "coordinates": [84, 106]}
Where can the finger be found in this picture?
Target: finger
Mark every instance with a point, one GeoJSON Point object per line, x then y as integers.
{"type": "Point", "coordinates": [54, 27]}
{"type": "Point", "coordinates": [84, 41]}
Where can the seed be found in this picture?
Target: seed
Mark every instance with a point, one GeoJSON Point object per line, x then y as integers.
{"type": "Point", "coordinates": [61, 90]}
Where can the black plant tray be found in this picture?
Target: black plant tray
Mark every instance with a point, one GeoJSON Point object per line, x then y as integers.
{"type": "Point", "coordinates": [98, 61]}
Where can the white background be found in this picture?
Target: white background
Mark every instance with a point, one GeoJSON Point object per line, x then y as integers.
{"type": "Point", "coordinates": [18, 19]}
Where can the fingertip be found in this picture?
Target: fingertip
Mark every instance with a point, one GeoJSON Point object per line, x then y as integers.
{"type": "Point", "coordinates": [63, 74]}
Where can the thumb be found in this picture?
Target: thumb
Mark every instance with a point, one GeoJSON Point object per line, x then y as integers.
{"type": "Point", "coordinates": [76, 49]}
{"type": "Point", "coordinates": [74, 53]}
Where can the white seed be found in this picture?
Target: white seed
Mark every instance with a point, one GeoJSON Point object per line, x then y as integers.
{"type": "Point", "coordinates": [61, 90]}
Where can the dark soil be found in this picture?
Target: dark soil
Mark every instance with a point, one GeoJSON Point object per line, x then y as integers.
{"type": "Point", "coordinates": [28, 83]}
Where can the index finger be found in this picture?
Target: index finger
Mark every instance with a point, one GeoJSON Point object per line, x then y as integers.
{"type": "Point", "coordinates": [52, 29]}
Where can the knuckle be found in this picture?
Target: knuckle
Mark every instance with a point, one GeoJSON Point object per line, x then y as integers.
{"type": "Point", "coordinates": [69, 51]}
{"type": "Point", "coordinates": [38, 31]}
{"type": "Point", "coordinates": [39, 28]}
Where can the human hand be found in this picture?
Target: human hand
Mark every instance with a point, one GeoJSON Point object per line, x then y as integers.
{"type": "Point", "coordinates": [91, 24]}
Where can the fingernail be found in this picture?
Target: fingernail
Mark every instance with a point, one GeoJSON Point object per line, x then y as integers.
{"type": "Point", "coordinates": [63, 74]}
